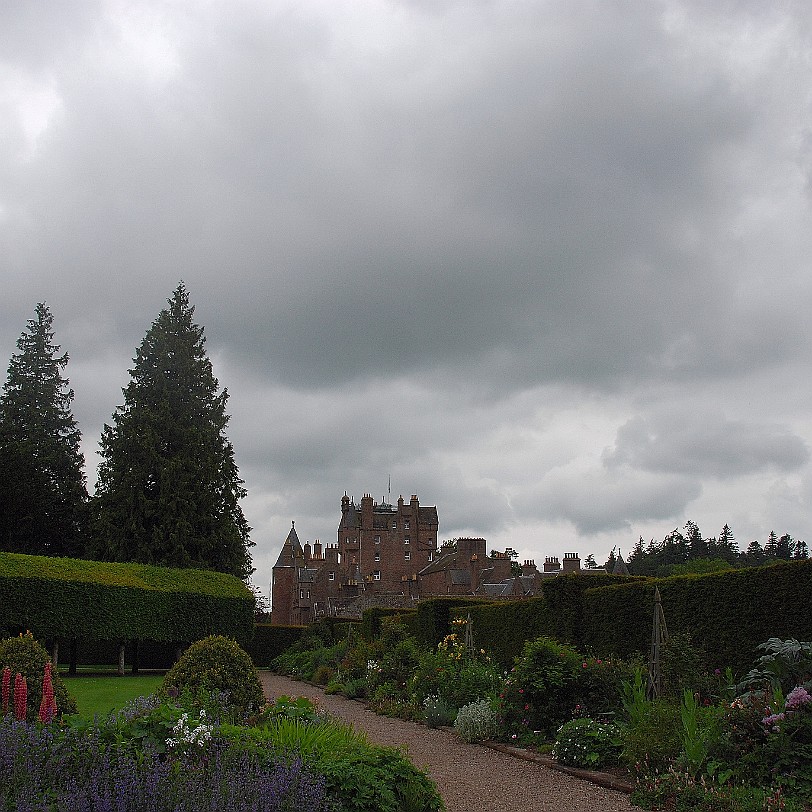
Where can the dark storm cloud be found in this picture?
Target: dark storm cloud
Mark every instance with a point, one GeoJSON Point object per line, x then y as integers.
{"type": "Point", "coordinates": [455, 243]}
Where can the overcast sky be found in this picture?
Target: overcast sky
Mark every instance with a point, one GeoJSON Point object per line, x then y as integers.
{"type": "Point", "coordinates": [544, 264]}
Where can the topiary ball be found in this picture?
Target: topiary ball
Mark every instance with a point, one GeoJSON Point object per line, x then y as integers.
{"type": "Point", "coordinates": [217, 665]}
{"type": "Point", "coordinates": [24, 655]}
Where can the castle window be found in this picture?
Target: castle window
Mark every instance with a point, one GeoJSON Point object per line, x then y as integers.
{"type": "Point", "coordinates": [405, 524]}
{"type": "Point", "coordinates": [407, 556]}
{"type": "Point", "coordinates": [394, 525]}
{"type": "Point", "coordinates": [376, 576]}
{"type": "Point", "coordinates": [331, 576]}
{"type": "Point", "coordinates": [406, 540]}
{"type": "Point", "coordinates": [431, 556]}
{"type": "Point", "coordinates": [377, 539]}
{"type": "Point", "coordinates": [377, 556]}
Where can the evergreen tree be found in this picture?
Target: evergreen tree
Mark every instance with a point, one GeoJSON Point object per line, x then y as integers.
{"type": "Point", "coordinates": [727, 548]}
{"type": "Point", "coordinates": [801, 550]}
{"type": "Point", "coordinates": [771, 547]}
{"type": "Point", "coordinates": [43, 495]}
{"type": "Point", "coordinates": [754, 556]}
{"type": "Point", "coordinates": [168, 487]}
{"type": "Point", "coordinates": [697, 547]}
{"type": "Point", "coordinates": [785, 547]}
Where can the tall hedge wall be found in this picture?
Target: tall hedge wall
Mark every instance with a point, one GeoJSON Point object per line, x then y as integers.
{"type": "Point", "coordinates": [727, 613]}
{"type": "Point", "coordinates": [70, 598]}
{"type": "Point", "coordinates": [433, 618]}
{"type": "Point", "coordinates": [270, 641]}
{"type": "Point", "coordinates": [502, 628]}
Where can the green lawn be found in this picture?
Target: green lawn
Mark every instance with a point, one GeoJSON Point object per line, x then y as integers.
{"type": "Point", "coordinates": [98, 695]}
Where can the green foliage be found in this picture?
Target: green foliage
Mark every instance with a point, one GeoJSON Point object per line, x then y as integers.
{"type": "Point", "coordinates": [550, 682]}
{"type": "Point", "coordinates": [633, 697]}
{"type": "Point", "coordinates": [398, 656]}
{"type": "Point", "coordinates": [370, 626]}
{"type": "Point", "coordinates": [652, 742]}
{"type": "Point", "coordinates": [785, 664]}
{"type": "Point", "coordinates": [43, 497]}
{"type": "Point", "coordinates": [361, 777]}
{"type": "Point", "coordinates": [697, 733]}
{"type": "Point", "coordinates": [24, 655]}
{"type": "Point", "coordinates": [70, 598]}
{"type": "Point", "coordinates": [587, 743]}
{"type": "Point", "coordinates": [454, 674]}
{"type": "Point", "coordinates": [168, 487]}
{"type": "Point", "coordinates": [477, 722]}
{"type": "Point", "coordinates": [217, 665]}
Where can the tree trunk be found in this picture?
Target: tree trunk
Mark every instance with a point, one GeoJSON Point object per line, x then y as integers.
{"type": "Point", "coordinates": [121, 660]}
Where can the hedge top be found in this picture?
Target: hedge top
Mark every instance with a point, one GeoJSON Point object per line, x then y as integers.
{"type": "Point", "coordinates": [134, 576]}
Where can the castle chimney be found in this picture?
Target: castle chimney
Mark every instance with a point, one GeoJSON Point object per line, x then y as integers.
{"type": "Point", "coordinates": [572, 562]}
{"type": "Point", "coordinates": [529, 568]}
{"type": "Point", "coordinates": [317, 549]}
{"type": "Point", "coordinates": [551, 564]}
{"type": "Point", "coordinates": [307, 551]}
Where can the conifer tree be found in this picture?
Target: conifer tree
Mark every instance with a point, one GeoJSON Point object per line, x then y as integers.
{"type": "Point", "coordinates": [168, 488]}
{"type": "Point", "coordinates": [43, 495]}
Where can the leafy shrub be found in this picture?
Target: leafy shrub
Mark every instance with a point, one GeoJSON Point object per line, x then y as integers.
{"type": "Point", "coordinates": [539, 692]}
{"type": "Point", "coordinates": [217, 666]}
{"type": "Point", "coordinates": [476, 722]}
{"type": "Point", "coordinates": [587, 743]}
{"type": "Point", "coordinates": [437, 712]}
{"type": "Point", "coordinates": [24, 655]}
{"type": "Point", "coordinates": [785, 664]}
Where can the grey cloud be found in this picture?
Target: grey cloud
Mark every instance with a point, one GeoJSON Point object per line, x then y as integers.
{"type": "Point", "coordinates": [696, 442]}
{"type": "Point", "coordinates": [596, 501]}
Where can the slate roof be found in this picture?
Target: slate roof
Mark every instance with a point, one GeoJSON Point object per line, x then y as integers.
{"type": "Point", "coordinates": [291, 550]}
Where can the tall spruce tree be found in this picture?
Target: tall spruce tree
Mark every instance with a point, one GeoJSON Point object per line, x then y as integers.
{"type": "Point", "coordinates": [43, 493]}
{"type": "Point", "coordinates": [168, 489]}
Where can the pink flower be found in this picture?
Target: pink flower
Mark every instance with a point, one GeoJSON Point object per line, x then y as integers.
{"type": "Point", "coordinates": [47, 706]}
{"type": "Point", "coordinates": [20, 696]}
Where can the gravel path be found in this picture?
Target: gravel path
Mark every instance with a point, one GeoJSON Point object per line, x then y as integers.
{"type": "Point", "coordinates": [471, 778]}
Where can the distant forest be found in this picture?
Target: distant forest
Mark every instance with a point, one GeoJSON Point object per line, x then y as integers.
{"type": "Point", "coordinates": [686, 551]}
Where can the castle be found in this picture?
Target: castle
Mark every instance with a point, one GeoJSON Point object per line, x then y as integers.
{"type": "Point", "coordinates": [387, 555]}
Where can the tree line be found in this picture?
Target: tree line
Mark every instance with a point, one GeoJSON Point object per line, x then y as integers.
{"type": "Point", "coordinates": [687, 550]}
{"type": "Point", "coordinates": [168, 489]}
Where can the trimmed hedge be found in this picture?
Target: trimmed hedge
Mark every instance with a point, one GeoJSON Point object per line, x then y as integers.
{"type": "Point", "coordinates": [433, 618]}
{"type": "Point", "coordinates": [502, 628]}
{"type": "Point", "coordinates": [69, 598]}
{"type": "Point", "coordinates": [270, 641]}
{"type": "Point", "coordinates": [371, 620]}
{"type": "Point", "coordinates": [726, 613]}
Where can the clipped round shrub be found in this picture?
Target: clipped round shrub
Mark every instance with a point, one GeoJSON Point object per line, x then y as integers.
{"type": "Point", "coordinates": [217, 666]}
{"type": "Point", "coordinates": [24, 655]}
